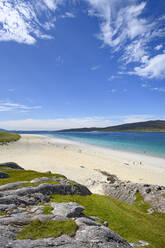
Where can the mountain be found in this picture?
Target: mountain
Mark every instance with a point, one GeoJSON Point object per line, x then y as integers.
{"type": "Point", "coordinates": [147, 126]}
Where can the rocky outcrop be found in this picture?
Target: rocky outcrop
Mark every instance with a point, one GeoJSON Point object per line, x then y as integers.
{"type": "Point", "coordinates": [11, 165]}
{"type": "Point", "coordinates": [19, 206]}
{"type": "Point", "coordinates": [126, 191]}
{"type": "Point", "coordinates": [90, 234]}
{"type": "Point", "coordinates": [3, 175]}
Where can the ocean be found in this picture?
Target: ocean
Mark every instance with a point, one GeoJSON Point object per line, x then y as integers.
{"type": "Point", "coordinates": [146, 143]}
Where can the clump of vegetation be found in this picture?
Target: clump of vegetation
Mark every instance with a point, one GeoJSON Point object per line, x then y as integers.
{"type": "Point", "coordinates": [48, 208]}
{"type": "Point", "coordinates": [8, 137]}
{"type": "Point", "coordinates": [129, 221]}
{"type": "Point", "coordinates": [25, 175]}
{"type": "Point", "coordinates": [139, 203]}
{"type": "Point", "coordinates": [37, 229]}
{"type": "Point", "coordinates": [2, 214]}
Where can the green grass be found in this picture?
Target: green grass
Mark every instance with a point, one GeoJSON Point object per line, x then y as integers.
{"type": "Point", "coordinates": [37, 229]}
{"type": "Point", "coordinates": [48, 209]}
{"type": "Point", "coordinates": [2, 214]}
{"type": "Point", "coordinates": [25, 175]}
{"type": "Point", "coordinates": [139, 203]}
{"type": "Point", "coordinates": [129, 221]}
{"type": "Point", "coordinates": [8, 137]}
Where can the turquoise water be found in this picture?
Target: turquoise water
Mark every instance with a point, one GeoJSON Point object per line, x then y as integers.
{"type": "Point", "coordinates": [148, 143]}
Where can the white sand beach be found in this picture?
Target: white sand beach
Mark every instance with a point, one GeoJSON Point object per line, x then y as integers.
{"type": "Point", "coordinates": [81, 162]}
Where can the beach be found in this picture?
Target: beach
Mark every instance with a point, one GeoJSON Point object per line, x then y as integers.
{"type": "Point", "coordinates": [83, 162]}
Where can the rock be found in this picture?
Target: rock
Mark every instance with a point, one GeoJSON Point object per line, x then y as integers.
{"type": "Point", "coordinates": [86, 221]}
{"type": "Point", "coordinates": [42, 179]}
{"type": "Point", "coordinates": [6, 207]}
{"type": "Point", "coordinates": [126, 191]}
{"type": "Point", "coordinates": [69, 209]}
{"type": "Point", "coordinates": [3, 175]}
{"type": "Point", "coordinates": [50, 189]}
{"type": "Point", "coordinates": [100, 235]}
{"type": "Point", "coordinates": [148, 190]}
{"type": "Point", "coordinates": [11, 165]}
{"type": "Point", "coordinates": [11, 185]}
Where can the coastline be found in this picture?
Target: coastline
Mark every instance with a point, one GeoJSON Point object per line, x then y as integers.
{"type": "Point", "coordinates": [81, 162]}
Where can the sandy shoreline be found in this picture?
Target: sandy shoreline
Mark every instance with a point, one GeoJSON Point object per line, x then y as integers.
{"type": "Point", "coordinates": [80, 162]}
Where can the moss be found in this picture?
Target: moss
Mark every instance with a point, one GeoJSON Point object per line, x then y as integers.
{"type": "Point", "coordinates": [127, 220]}
{"type": "Point", "coordinates": [2, 214]}
{"type": "Point", "coordinates": [37, 229]}
{"type": "Point", "coordinates": [139, 203]}
{"type": "Point", "coordinates": [47, 209]}
{"type": "Point", "coordinates": [25, 175]}
{"type": "Point", "coordinates": [8, 137]}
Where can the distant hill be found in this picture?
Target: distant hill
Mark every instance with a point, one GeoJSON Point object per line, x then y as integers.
{"type": "Point", "coordinates": [147, 126]}
{"type": "Point", "coordinates": [2, 130]}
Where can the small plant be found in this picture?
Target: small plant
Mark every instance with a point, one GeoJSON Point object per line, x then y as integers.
{"type": "Point", "coordinates": [38, 230]}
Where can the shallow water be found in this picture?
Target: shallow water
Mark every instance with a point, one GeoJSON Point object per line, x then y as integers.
{"type": "Point", "coordinates": [146, 143]}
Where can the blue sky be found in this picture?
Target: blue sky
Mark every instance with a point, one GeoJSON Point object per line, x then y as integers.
{"type": "Point", "coordinates": [81, 62]}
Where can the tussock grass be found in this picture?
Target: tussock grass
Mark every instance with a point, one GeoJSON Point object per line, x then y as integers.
{"type": "Point", "coordinates": [129, 221]}
{"type": "Point", "coordinates": [37, 229]}
{"type": "Point", "coordinates": [8, 137]}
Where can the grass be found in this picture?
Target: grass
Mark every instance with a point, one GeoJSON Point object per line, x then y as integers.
{"type": "Point", "coordinates": [48, 209]}
{"type": "Point", "coordinates": [139, 203]}
{"type": "Point", "coordinates": [37, 229]}
{"type": "Point", "coordinates": [129, 221]}
{"type": "Point", "coordinates": [25, 175]}
{"type": "Point", "coordinates": [8, 137]}
{"type": "Point", "coordinates": [2, 214]}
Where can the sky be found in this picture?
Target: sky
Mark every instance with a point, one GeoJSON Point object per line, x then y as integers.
{"type": "Point", "coordinates": [81, 63]}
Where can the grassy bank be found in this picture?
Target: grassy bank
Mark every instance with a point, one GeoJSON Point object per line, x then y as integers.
{"type": "Point", "coordinates": [8, 137]}
{"type": "Point", "coordinates": [130, 221]}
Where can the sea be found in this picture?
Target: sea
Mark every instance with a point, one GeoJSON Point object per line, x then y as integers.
{"type": "Point", "coordinates": [139, 142]}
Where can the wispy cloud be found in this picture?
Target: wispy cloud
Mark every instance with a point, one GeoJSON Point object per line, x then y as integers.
{"type": "Point", "coordinates": [158, 47]}
{"type": "Point", "coordinates": [68, 15]}
{"type": "Point", "coordinates": [95, 68]}
{"type": "Point", "coordinates": [64, 123]}
{"type": "Point", "coordinates": [123, 28]}
{"type": "Point", "coordinates": [113, 77]}
{"type": "Point", "coordinates": [153, 68]}
{"type": "Point", "coordinates": [159, 89]}
{"type": "Point", "coordinates": [6, 106]}
{"type": "Point", "coordinates": [113, 91]}
{"type": "Point", "coordinates": [59, 60]}
{"type": "Point", "coordinates": [21, 20]}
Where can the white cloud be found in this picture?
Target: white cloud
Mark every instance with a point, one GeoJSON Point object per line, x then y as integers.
{"type": "Point", "coordinates": [56, 124]}
{"type": "Point", "coordinates": [20, 20]}
{"type": "Point", "coordinates": [113, 77]}
{"type": "Point", "coordinates": [123, 28]}
{"type": "Point", "coordinates": [65, 123]}
{"type": "Point", "coordinates": [158, 47]}
{"type": "Point", "coordinates": [95, 68]}
{"type": "Point", "coordinates": [68, 15]}
{"type": "Point", "coordinates": [139, 118]}
{"type": "Point", "coordinates": [158, 89]}
{"type": "Point", "coordinates": [6, 106]}
{"type": "Point", "coordinates": [153, 68]}
{"type": "Point", "coordinates": [113, 91]}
